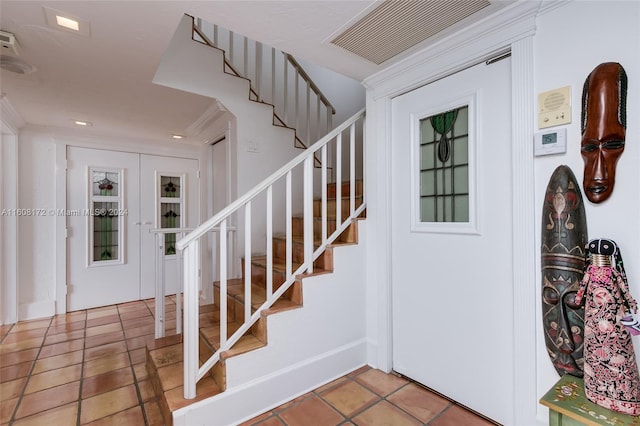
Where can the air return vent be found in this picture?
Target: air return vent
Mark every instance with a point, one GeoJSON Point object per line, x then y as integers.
{"type": "Point", "coordinates": [395, 26]}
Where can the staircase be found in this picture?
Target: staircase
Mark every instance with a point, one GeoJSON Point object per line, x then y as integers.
{"type": "Point", "coordinates": [165, 356]}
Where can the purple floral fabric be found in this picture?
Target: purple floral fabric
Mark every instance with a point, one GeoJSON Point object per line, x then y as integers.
{"type": "Point", "coordinates": [611, 377]}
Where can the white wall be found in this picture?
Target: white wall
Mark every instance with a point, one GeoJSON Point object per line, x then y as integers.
{"type": "Point", "coordinates": [570, 41]}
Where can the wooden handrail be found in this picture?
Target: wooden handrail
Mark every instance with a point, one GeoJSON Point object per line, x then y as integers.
{"type": "Point", "coordinates": [304, 75]}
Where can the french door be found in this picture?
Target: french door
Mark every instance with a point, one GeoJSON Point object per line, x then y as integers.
{"type": "Point", "coordinates": [452, 236]}
{"type": "Point", "coordinates": [114, 200]}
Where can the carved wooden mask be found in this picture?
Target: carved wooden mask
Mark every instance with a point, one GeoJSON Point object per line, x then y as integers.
{"type": "Point", "coordinates": [604, 123]}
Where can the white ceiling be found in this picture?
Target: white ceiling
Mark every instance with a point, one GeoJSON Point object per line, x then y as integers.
{"type": "Point", "coordinates": [105, 78]}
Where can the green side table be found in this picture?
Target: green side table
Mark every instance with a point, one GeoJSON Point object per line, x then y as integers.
{"type": "Point", "coordinates": [569, 407]}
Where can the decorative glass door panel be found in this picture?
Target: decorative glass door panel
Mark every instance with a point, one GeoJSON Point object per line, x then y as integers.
{"type": "Point", "coordinates": [171, 208]}
{"type": "Point", "coordinates": [105, 216]}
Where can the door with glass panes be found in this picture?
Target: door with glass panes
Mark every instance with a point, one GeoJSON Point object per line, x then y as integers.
{"type": "Point", "coordinates": [114, 201]}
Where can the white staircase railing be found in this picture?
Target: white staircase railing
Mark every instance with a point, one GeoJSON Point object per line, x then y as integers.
{"type": "Point", "coordinates": [277, 190]}
{"type": "Point", "coordinates": [276, 78]}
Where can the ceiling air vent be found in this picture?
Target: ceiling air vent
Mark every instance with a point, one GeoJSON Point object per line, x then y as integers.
{"type": "Point", "coordinates": [395, 26]}
{"type": "Point", "coordinates": [16, 65]}
{"type": "Point", "coordinates": [8, 42]}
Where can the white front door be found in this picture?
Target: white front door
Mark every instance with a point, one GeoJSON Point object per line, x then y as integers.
{"type": "Point", "coordinates": [114, 199]}
{"type": "Point", "coordinates": [452, 237]}
{"type": "Point", "coordinates": [103, 210]}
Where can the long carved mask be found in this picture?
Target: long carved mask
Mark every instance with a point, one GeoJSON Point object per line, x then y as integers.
{"type": "Point", "coordinates": [604, 123]}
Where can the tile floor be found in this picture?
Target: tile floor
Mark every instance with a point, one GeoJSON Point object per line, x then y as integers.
{"type": "Point", "coordinates": [88, 367]}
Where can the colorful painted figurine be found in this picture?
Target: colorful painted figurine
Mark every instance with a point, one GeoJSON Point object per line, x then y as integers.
{"type": "Point", "coordinates": [604, 124]}
{"type": "Point", "coordinates": [564, 236]}
{"type": "Point", "coordinates": [611, 377]}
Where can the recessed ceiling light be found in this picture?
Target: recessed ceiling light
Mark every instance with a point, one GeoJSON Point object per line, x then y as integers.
{"type": "Point", "coordinates": [82, 123]}
{"type": "Point", "coordinates": [67, 23]}
{"type": "Point", "coordinates": [177, 136]}
{"type": "Point", "coordinates": [62, 21]}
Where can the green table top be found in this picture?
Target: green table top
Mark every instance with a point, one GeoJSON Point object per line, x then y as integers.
{"type": "Point", "coordinates": [567, 397]}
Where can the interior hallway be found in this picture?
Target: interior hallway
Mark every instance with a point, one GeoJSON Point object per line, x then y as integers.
{"type": "Point", "coordinates": [88, 367]}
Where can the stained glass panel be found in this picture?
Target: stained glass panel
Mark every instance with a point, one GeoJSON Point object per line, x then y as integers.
{"type": "Point", "coordinates": [170, 218]}
{"type": "Point", "coordinates": [105, 183]}
{"type": "Point", "coordinates": [105, 231]}
{"type": "Point", "coordinates": [444, 170]}
{"type": "Point", "coordinates": [170, 187]}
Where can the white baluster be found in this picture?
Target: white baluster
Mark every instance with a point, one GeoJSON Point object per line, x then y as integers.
{"type": "Point", "coordinates": [288, 218]}
{"type": "Point", "coordinates": [338, 166]}
{"type": "Point", "coordinates": [247, 261]}
{"type": "Point", "coordinates": [352, 169]}
{"type": "Point", "coordinates": [190, 337]}
{"type": "Point", "coordinates": [308, 212]}
{"type": "Point", "coordinates": [269, 224]}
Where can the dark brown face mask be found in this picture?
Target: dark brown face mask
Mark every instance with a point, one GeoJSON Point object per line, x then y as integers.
{"type": "Point", "coordinates": [604, 123]}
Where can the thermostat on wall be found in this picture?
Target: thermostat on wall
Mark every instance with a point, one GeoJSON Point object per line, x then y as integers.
{"type": "Point", "coordinates": [550, 142]}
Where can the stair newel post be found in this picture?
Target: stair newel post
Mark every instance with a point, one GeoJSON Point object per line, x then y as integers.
{"type": "Point", "coordinates": [352, 169]}
{"type": "Point", "coordinates": [338, 167]}
{"type": "Point", "coordinates": [289, 224]}
{"type": "Point", "coordinates": [269, 224]}
{"type": "Point", "coordinates": [190, 337]}
{"type": "Point", "coordinates": [179, 286]}
{"type": "Point", "coordinates": [223, 281]}
{"type": "Point", "coordinates": [247, 262]}
{"type": "Point", "coordinates": [323, 200]}
{"type": "Point", "coordinates": [308, 212]}
{"type": "Point", "coordinates": [159, 302]}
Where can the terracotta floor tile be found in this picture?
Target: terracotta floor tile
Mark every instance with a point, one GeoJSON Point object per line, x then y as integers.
{"type": "Point", "coordinates": [64, 415]}
{"type": "Point", "coordinates": [139, 331]}
{"type": "Point", "coordinates": [311, 408]}
{"type": "Point", "coordinates": [140, 341]}
{"type": "Point", "coordinates": [61, 348]}
{"type": "Point", "coordinates": [102, 312]}
{"type": "Point", "coordinates": [349, 398]}
{"type": "Point", "coordinates": [419, 402]}
{"type": "Point", "coordinates": [271, 421]}
{"type": "Point", "coordinates": [131, 306]}
{"type": "Point", "coordinates": [106, 382]}
{"type": "Point", "coordinates": [24, 335]}
{"type": "Point", "coordinates": [146, 390]}
{"type": "Point", "coordinates": [140, 372]}
{"type": "Point", "coordinates": [138, 322]}
{"type": "Point", "coordinates": [139, 313]}
{"type": "Point", "coordinates": [385, 414]}
{"type": "Point", "coordinates": [359, 371]}
{"type": "Point", "coordinates": [52, 378]}
{"type": "Point", "coordinates": [4, 329]}
{"type": "Point", "coordinates": [18, 357]}
{"type": "Point", "coordinates": [331, 385]}
{"type": "Point", "coordinates": [6, 409]}
{"type": "Point", "coordinates": [103, 329]}
{"type": "Point", "coordinates": [57, 361]}
{"type": "Point", "coordinates": [67, 327]}
{"type": "Point", "coordinates": [105, 350]}
{"type": "Point", "coordinates": [107, 319]}
{"type": "Point", "coordinates": [21, 346]}
{"type": "Point", "coordinates": [50, 398]}
{"type": "Point", "coordinates": [380, 382]}
{"type": "Point", "coordinates": [103, 339]}
{"type": "Point", "coordinates": [63, 337]}
{"type": "Point", "coordinates": [108, 403]}
{"type": "Point", "coordinates": [76, 316]}
{"type": "Point", "coordinates": [106, 363]}
{"type": "Point", "coordinates": [138, 355]}
{"type": "Point", "coordinates": [152, 411]}
{"type": "Point", "coordinates": [15, 371]}
{"type": "Point", "coordinates": [256, 420]}
{"type": "Point", "coordinates": [30, 325]}
{"type": "Point", "coordinates": [12, 389]}
{"type": "Point", "coordinates": [132, 416]}
{"type": "Point", "coordinates": [293, 402]}
{"type": "Point", "coordinates": [456, 415]}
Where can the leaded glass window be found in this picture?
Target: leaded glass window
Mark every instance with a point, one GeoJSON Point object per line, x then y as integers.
{"type": "Point", "coordinates": [444, 166]}
{"type": "Point", "coordinates": [171, 208]}
{"type": "Point", "coordinates": [105, 218]}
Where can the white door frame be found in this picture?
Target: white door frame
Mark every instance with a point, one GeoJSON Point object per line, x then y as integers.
{"type": "Point", "coordinates": [510, 30]}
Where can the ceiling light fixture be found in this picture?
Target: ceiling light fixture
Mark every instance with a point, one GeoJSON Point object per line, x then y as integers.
{"type": "Point", "coordinates": [67, 23]}
{"type": "Point", "coordinates": [177, 136]}
{"type": "Point", "coordinates": [82, 123]}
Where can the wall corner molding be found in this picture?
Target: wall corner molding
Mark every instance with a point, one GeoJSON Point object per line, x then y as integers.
{"type": "Point", "coordinates": [10, 117]}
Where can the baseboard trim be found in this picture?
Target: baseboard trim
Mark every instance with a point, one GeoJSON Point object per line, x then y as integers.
{"type": "Point", "coordinates": [253, 398]}
{"type": "Point", "coordinates": [29, 311]}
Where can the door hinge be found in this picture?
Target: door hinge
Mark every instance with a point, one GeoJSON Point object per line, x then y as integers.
{"type": "Point", "coordinates": [198, 174]}
{"type": "Point", "coordinates": [67, 232]}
